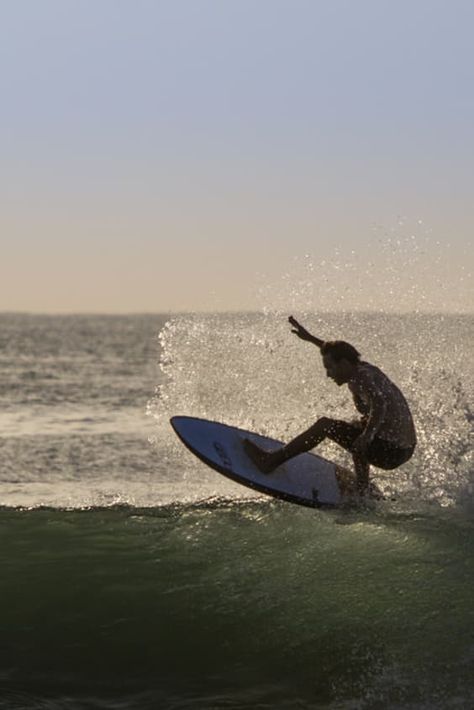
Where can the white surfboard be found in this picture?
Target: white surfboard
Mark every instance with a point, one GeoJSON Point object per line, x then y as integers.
{"type": "Point", "coordinates": [307, 479]}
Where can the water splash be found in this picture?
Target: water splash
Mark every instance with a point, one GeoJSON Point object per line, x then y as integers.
{"type": "Point", "coordinates": [403, 268]}
{"type": "Point", "coordinates": [250, 371]}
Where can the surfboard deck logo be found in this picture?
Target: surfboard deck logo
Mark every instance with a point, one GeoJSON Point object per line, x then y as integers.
{"type": "Point", "coordinates": [222, 453]}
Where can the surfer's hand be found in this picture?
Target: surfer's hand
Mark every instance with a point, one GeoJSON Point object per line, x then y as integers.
{"type": "Point", "coordinates": [299, 330]}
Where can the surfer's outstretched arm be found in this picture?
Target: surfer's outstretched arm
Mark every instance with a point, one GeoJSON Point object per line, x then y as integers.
{"type": "Point", "coordinates": [303, 333]}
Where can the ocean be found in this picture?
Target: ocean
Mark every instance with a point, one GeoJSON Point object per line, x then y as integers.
{"type": "Point", "coordinates": [134, 577]}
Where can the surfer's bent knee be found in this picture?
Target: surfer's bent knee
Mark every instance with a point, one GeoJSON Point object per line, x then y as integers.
{"type": "Point", "coordinates": [325, 423]}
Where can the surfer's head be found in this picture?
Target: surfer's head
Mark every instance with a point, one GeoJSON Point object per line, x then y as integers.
{"type": "Point", "coordinates": [340, 360]}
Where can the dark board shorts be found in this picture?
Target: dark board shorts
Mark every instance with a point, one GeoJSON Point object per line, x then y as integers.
{"type": "Point", "coordinates": [381, 453]}
{"type": "Point", "coordinates": [386, 455]}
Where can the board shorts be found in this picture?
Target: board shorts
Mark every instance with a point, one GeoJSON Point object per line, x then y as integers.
{"type": "Point", "coordinates": [380, 453]}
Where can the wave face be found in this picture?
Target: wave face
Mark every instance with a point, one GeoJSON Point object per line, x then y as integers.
{"type": "Point", "coordinates": [235, 605]}
{"type": "Point", "coordinates": [135, 577]}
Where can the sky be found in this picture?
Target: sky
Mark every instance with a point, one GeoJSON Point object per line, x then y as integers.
{"type": "Point", "coordinates": [168, 155]}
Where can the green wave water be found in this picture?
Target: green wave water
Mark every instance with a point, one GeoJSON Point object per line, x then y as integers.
{"type": "Point", "coordinates": [236, 605]}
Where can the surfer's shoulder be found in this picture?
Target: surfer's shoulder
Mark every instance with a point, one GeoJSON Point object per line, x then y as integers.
{"type": "Point", "coordinates": [371, 372]}
{"type": "Point", "coordinates": [369, 377]}
{"type": "Point", "coordinates": [365, 372]}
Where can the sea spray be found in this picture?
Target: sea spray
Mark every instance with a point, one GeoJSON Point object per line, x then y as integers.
{"type": "Point", "coordinates": [250, 371]}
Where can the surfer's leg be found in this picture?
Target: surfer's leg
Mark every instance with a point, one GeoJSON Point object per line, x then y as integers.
{"type": "Point", "coordinates": [345, 434]}
{"type": "Point", "coordinates": [362, 469]}
{"type": "Point", "coordinates": [341, 432]}
{"type": "Point", "coordinates": [267, 461]}
{"type": "Point", "coordinates": [324, 427]}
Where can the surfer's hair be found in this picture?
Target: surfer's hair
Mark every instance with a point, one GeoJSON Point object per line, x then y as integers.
{"type": "Point", "coordinates": [340, 350]}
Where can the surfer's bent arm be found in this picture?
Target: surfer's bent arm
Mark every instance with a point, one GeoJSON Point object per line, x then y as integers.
{"type": "Point", "coordinates": [361, 406]}
{"type": "Point", "coordinates": [378, 408]}
{"type": "Point", "coordinates": [373, 407]}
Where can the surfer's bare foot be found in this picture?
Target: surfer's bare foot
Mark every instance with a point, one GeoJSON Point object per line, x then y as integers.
{"type": "Point", "coordinates": [262, 459]}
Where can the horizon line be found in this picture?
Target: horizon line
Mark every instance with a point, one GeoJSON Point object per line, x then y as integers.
{"type": "Point", "coordinates": [245, 311]}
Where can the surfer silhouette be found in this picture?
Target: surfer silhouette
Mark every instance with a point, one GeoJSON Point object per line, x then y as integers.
{"type": "Point", "coordinates": [384, 436]}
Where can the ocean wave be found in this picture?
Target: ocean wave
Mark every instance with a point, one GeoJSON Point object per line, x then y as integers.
{"type": "Point", "coordinates": [222, 604]}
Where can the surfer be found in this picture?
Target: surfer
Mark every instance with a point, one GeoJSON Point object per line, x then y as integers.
{"type": "Point", "coordinates": [384, 436]}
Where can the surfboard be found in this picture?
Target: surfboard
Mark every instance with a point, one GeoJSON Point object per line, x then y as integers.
{"type": "Point", "coordinates": [307, 479]}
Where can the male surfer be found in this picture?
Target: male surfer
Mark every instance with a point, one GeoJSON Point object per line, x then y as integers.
{"type": "Point", "coordinates": [385, 434]}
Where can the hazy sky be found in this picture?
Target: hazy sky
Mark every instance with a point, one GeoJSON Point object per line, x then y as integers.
{"type": "Point", "coordinates": [211, 154]}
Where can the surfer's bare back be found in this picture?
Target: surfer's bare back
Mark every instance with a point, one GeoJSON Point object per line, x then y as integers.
{"type": "Point", "coordinates": [385, 434]}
